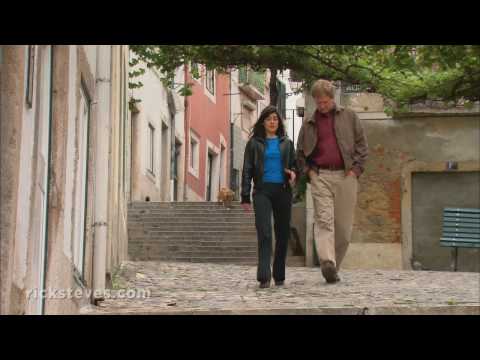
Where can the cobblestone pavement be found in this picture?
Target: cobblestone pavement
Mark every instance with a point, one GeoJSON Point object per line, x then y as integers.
{"type": "Point", "coordinates": [187, 288]}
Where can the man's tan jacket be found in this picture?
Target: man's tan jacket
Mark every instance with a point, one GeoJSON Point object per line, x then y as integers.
{"type": "Point", "coordinates": [350, 138]}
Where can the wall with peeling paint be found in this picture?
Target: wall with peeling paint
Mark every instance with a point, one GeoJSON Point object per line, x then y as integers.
{"type": "Point", "coordinates": [394, 143]}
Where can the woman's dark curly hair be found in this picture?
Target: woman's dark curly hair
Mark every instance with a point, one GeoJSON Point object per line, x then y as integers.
{"type": "Point", "coordinates": [259, 129]}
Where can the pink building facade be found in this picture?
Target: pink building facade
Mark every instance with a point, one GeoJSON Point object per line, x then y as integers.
{"type": "Point", "coordinates": [207, 135]}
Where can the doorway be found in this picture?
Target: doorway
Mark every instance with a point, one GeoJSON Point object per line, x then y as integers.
{"type": "Point", "coordinates": [209, 176]}
{"type": "Point", "coordinates": [175, 170]}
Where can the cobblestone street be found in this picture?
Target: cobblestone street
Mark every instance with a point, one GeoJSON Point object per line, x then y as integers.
{"type": "Point", "coordinates": [188, 288]}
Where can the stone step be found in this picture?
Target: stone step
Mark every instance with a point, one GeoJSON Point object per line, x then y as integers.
{"type": "Point", "coordinates": [190, 212]}
{"type": "Point", "coordinates": [240, 241]}
{"type": "Point", "coordinates": [192, 247]}
{"type": "Point", "coordinates": [291, 262]}
{"type": "Point", "coordinates": [203, 218]}
{"type": "Point", "coordinates": [194, 232]}
{"type": "Point", "coordinates": [205, 227]}
{"type": "Point", "coordinates": [201, 251]}
{"type": "Point", "coordinates": [191, 253]}
{"type": "Point", "coordinates": [214, 260]}
{"type": "Point", "coordinates": [150, 204]}
{"type": "Point", "coordinates": [181, 222]}
{"type": "Point", "coordinates": [182, 209]}
{"type": "Point", "coordinates": [194, 235]}
{"type": "Point", "coordinates": [191, 226]}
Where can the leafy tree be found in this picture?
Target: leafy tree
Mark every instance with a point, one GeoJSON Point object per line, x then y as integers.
{"type": "Point", "coordinates": [403, 74]}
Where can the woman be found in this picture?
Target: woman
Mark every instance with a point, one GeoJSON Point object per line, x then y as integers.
{"type": "Point", "coordinates": [269, 160]}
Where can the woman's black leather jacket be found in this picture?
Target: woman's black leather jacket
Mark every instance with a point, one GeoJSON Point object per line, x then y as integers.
{"type": "Point", "coordinates": [253, 163]}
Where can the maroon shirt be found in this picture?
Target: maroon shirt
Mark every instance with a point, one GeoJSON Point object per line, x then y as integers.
{"type": "Point", "coordinates": [327, 152]}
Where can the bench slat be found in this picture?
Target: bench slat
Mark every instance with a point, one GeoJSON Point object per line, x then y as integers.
{"type": "Point", "coordinates": [461, 235]}
{"type": "Point", "coordinates": [461, 230]}
{"type": "Point", "coordinates": [459, 244]}
{"type": "Point", "coordinates": [464, 220]}
{"type": "Point", "coordinates": [456, 238]}
{"type": "Point", "coordinates": [471, 210]}
{"type": "Point", "coordinates": [461, 224]}
{"type": "Point", "coordinates": [462, 216]}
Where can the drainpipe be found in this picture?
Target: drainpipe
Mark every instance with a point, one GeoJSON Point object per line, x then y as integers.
{"type": "Point", "coordinates": [231, 132]}
{"type": "Point", "coordinates": [171, 112]}
{"type": "Point", "coordinates": [186, 123]}
{"type": "Point", "coordinates": [101, 169]}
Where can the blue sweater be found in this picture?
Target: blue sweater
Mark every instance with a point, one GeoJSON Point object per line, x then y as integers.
{"type": "Point", "coordinates": [273, 169]}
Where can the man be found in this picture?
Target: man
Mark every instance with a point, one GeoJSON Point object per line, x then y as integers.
{"type": "Point", "coordinates": [332, 151]}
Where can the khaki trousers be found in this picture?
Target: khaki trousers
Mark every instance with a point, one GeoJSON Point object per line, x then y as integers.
{"type": "Point", "coordinates": [334, 199]}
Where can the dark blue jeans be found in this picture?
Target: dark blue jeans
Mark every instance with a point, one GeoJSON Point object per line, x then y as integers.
{"type": "Point", "coordinates": [276, 198]}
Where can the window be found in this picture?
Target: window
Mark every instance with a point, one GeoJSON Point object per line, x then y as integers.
{"type": "Point", "coordinates": [193, 151]}
{"type": "Point", "coordinates": [165, 163]}
{"type": "Point", "coordinates": [30, 75]}
{"type": "Point", "coordinates": [81, 192]}
{"type": "Point", "coordinates": [194, 154]}
{"type": "Point", "coordinates": [210, 81]}
{"type": "Point", "coordinates": [151, 149]}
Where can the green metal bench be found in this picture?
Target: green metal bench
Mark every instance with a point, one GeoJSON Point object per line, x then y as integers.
{"type": "Point", "coordinates": [461, 229]}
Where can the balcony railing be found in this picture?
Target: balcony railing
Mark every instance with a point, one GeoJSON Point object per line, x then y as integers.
{"type": "Point", "coordinates": [253, 78]}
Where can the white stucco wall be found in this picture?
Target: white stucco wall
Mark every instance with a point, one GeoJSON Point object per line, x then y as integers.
{"type": "Point", "coordinates": [25, 183]}
{"type": "Point", "coordinates": [91, 53]}
{"type": "Point", "coordinates": [153, 109]}
{"type": "Point", "coordinates": [70, 156]}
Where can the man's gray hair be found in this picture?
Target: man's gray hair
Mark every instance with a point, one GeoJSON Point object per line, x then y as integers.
{"type": "Point", "coordinates": [323, 88]}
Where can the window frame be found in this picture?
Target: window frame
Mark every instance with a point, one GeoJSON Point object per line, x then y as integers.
{"type": "Point", "coordinates": [151, 149]}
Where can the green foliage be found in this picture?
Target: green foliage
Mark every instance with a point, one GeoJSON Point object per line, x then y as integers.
{"type": "Point", "coordinates": [403, 74]}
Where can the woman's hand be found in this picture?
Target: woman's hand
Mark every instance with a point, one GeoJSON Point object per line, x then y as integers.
{"type": "Point", "coordinates": [291, 176]}
{"type": "Point", "coordinates": [246, 207]}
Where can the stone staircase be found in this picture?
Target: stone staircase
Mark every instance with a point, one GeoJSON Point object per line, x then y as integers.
{"type": "Point", "coordinates": [194, 232]}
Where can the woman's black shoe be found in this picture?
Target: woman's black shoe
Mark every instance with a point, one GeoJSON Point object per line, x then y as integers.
{"type": "Point", "coordinates": [279, 283]}
{"type": "Point", "coordinates": [265, 284]}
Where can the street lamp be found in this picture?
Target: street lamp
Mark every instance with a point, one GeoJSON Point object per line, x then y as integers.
{"type": "Point", "coordinates": [295, 86]}
{"type": "Point", "coordinates": [300, 105]}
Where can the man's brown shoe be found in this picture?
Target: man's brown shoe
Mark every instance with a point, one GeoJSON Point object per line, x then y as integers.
{"type": "Point", "coordinates": [329, 272]}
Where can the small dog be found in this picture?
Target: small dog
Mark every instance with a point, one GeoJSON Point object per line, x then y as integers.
{"type": "Point", "coordinates": [226, 196]}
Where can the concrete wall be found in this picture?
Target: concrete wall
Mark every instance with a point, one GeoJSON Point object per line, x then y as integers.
{"type": "Point", "coordinates": [393, 145]}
